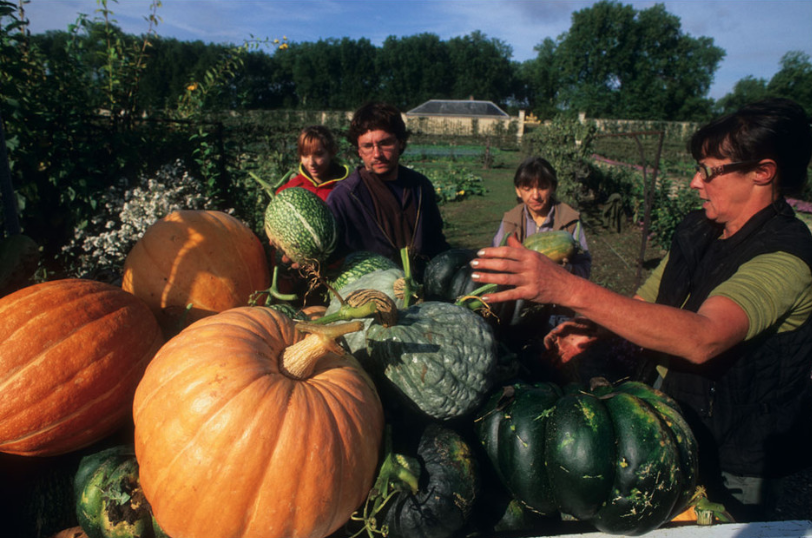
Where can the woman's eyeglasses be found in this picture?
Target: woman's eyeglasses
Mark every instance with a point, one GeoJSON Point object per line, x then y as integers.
{"type": "Point", "coordinates": [707, 174]}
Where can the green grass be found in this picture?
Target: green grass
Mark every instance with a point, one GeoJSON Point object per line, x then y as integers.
{"type": "Point", "coordinates": [473, 222]}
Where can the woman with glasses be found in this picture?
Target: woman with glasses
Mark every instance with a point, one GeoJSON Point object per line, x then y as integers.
{"type": "Point", "coordinates": [383, 206]}
{"type": "Point", "coordinates": [727, 313]}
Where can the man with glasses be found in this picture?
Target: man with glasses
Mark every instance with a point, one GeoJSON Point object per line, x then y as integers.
{"type": "Point", "coordinates": [727, 313]}
{"type": "Point", "coordinates": [383, 206]}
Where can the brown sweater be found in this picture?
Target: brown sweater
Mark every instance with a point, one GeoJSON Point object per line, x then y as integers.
{"type": "Point", "coordinates": [565, 218]}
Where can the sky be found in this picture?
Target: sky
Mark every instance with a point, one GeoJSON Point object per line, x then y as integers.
{"type": "Point", "coordinates": [754, 33]}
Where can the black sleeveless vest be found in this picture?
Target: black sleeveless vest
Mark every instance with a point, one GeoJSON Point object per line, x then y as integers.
{"type": "Point", "coordinates": [749, 405]}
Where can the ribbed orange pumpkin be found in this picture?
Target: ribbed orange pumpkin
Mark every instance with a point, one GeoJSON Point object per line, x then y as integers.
{"type": "Point", "coordinates": [235, 436]}
{"type": "Point", "coordinates": [207, 258]}
{"type": "Point", "coordinates": [71, 354]}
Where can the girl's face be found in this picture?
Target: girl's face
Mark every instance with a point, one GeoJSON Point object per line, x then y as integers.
{"type": "Point", "coordinates": [317, 162]}
{"type": "Point", "coordinates": [538, 200]}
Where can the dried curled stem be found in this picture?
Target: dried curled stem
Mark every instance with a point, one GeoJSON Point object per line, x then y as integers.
{"type": "Point", "coordinates": [363, 304]}
{"type": "Point", "coordinates": [386, 311]}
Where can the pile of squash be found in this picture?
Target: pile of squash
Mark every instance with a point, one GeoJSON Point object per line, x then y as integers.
{"type": "Point", "coordinates": [177, 408]}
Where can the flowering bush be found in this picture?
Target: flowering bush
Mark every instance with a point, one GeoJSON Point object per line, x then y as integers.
{"type": "Point", "coordinates": [101, 244]}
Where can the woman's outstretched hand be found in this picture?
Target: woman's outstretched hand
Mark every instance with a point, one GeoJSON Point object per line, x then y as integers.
{"type": "Point", "coordinates": [524, 273]}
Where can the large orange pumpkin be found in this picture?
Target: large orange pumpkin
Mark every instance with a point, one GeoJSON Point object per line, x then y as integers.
{"type": "Point", "coordinates": [245, 428]}
{"type": "Point", "coordinates": [71, 354]}
{"type": "Point", "coordinates": [208, 259]}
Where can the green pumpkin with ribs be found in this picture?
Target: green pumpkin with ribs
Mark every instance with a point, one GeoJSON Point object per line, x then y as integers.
{"type": "Point", "coordinates": [619, 457]}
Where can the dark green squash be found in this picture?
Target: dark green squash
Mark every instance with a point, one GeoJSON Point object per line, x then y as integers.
{"type": "Point", "coordinates": [429, 491]}
{"type": "Point", "coordinates": [461, 284]}
{"type": "Point", "coordinates": [109, 499]}
{"type": "Point", "coordinates": [619, 457]}
{"type": "Point", "coordinates": [441, 270]}
{"type": "Point", "coordinates": [507, 426]}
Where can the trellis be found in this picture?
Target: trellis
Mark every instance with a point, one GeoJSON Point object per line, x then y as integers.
{"type": "Point", "coordinates": [648, 188]}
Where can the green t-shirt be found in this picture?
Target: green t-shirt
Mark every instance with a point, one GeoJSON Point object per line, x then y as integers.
{"type": "Point", "coordinates": [770, 288]}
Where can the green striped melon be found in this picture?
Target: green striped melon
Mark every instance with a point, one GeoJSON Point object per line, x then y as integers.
{"type": "Point", "coordinates": [300, 224]}
{"type": "Point", "coordinates": [557, 245]}
{"type": "Point", "coordinates": [357, 264]}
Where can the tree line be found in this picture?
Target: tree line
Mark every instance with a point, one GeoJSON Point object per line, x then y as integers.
{"type": "Point", "coordinates": [614, 62]}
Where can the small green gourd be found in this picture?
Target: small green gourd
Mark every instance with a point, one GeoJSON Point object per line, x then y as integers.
{"type": "Point", "coordinates": [109, 499]}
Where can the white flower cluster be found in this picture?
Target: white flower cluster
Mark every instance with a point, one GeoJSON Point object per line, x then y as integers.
{"type": "Point", "coordinates": [102, 243]}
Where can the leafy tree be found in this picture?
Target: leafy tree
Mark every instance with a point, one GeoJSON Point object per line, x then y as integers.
{"type": "Point", "coordinates": [594, 56]}
{"type": "Point", "coordinates": [617, 62]}
{"type": "Point", "coordinates": [538, 81]}
{"type": "Point", "coordinates": [481, 68]}
{"type": "Point", "coordinates": [672, 72]}
{"type": "Point", "coordinates": [333, 74]}
{"type": "Point", "coordinates": [745, 91]}
{"type": "Point", "coordinates": [794, 79]}
{"type": "Point", "coordinates": [358, 80]}
{"type": "Point", "coordinates": [266, 82]}
{"type": "Point", "coordinates": [413, 70]}
{"type": "Point", "coordinates": [173, 65]}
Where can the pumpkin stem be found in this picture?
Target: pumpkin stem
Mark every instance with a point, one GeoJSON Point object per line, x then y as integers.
{"type": "Point", "coordinates": [270, 188]}
{"type": "Point", "coordinates": [472, 301]}
{"type": "Point", "coordinates": [273, 291]}
{"type": "Point", "coordinates": [408, 287]}
{"type": "Point", "coordinates": [299, 359]}
{"type": "Point", "coordinates": [707, 511]}
{"type": "Point", "coordinates": [597, 382]}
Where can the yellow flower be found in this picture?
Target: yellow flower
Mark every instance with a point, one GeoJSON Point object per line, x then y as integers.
{"type": "Point", "coordinates": [460, 193]}
{"type": "Point", "coordinates": [192, 87]}
{"type": "Point", "coordinates": [283, 46]}
{"type": "Point", "coordinates": [276, 40]}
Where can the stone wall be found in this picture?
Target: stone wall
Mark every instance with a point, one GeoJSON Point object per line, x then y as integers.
{"type": "Point", "coordinates": [465, 125]}
{"type": "Point", "coordinates": [518, 125]}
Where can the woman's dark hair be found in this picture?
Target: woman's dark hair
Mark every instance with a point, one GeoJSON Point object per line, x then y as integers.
{"type": "Point", "coordinates": [374, 116]}
{"type": "Point", "coordinates": [774, 128]}
{"type": "Point", "coordinates": [316, 133]}
{"type": "Point", "coordinates": [535, 171]}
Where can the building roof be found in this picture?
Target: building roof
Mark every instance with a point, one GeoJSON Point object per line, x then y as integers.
{"type": "Point", "coordinates": [449, 107]}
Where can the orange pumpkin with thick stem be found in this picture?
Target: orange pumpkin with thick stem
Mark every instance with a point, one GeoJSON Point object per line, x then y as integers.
{"type": "Point", "coordinates": [208, 259]}
{"type": "Point", "coordinates": [71, 354]}
{"type": "Point", "coordinates": [246, 428]}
